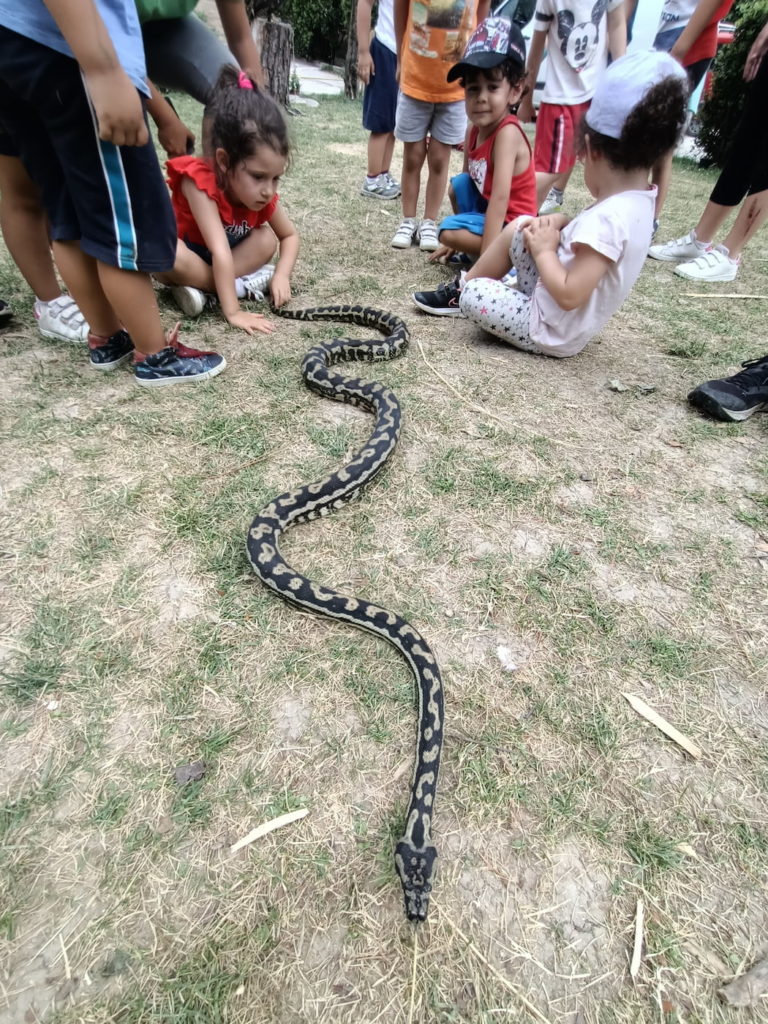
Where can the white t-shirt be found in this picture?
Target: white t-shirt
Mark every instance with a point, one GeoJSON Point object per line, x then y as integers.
{"type": "Point", "coordinates": [385, 24]}
{"type": "Point", "coordinates": [676, 14]}
{"type": "Point", "coordinates": [620, 228]}
{"type": "Point", "coordinates": [577, 46]}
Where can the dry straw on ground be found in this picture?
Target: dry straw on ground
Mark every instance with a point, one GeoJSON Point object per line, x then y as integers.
{"type": "Point", "coordinates": [608, 541]}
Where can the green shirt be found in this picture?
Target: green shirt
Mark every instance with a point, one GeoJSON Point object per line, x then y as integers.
{"type": "Point", "coordinates": [160, 10]}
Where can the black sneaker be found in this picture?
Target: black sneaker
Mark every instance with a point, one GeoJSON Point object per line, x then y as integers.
{"type": "Point", "coordinates": [737, 397]}
{"type": "Point", "coordinates": [443, 301]}
{"type": "Point", "coordinates": [177, 364]}
{"type": "Point", "coordinates": [109, 353]}
{"type": "Point", "coordinates": [5, 313]}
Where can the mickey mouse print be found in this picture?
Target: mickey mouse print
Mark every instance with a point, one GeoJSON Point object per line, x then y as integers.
{"type": "Point", "coordinates": [577, 43]}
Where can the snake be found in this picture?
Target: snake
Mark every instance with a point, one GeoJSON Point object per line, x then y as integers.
{"type": "Point", "coordinates": [415, 854]}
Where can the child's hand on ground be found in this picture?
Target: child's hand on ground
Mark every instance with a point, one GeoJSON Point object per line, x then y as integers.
{"type": "Point", "coordinates": [541, 235]}
{"type": "Point", "coordinates": [441, 255]}
{"type": "Point", "coordinates": [118, 108]}
{"type": "Point", "coordinates": [280, 287]}
{"type": "Point", "coordinates": [250, 322]}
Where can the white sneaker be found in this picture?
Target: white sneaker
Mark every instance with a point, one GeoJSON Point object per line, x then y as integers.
{"type": "Point", "coordinates": [553, 202]}
{"type": "Point", "coordinates": [427, 233]}
{"type": "Point", "coordinates": [713, 265]}
{"type": "Point", "coordinates": [685, 248]}
{"type": "Point", "coordinates": [403, 237]}
{"type": "Point", "coordinates": [254, 286]}
{"type": "Point", "coordinates": [61, 320]}
{"type": "Point", "coordinates": [191, 301]}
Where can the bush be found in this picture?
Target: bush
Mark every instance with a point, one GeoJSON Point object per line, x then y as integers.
{"type": "Point", "coordinates": [319, 27]}
{"type": "Point", "coordinates": [720, 113]}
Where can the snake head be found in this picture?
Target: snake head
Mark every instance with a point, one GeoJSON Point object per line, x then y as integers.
{"type": "Point", "coordinates": [415, 868]}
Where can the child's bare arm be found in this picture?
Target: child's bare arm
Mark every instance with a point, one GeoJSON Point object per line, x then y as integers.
{"type": "Point", "coordinates": [365, 66]}
{"type": "Point", "coordinates": [173, 135]}
{"type": "Point", "coordinates": [114, 97]}
{"type": "Point", "coordinates": [571, 287]}
{"type": "Point", "coordinates": [207, 218]}
{"type": "Point", "coordinates": [616, 27]}
{"type": "Point", "coordinates": [287, 236]}
{"type": "Point", "coordinates": [535, 55]}
{"type": "Point", "coordinates": [237, 32]}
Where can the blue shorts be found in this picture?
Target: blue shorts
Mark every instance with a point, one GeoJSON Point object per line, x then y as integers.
{"type": "Point", "coordinates": [472, 207]}
{"type": "Point", "coordinates": [111, 199]}
{"type": "Point", "coordinates": [380, 96]}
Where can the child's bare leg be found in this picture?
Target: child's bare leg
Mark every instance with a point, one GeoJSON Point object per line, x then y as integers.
{"type": "Point", "coordinates": [544, 182]}
{"type": "Point", "coordinates": [714, 217]}
{"type": "Point", "coordinates": [25, 229]}
{"type": "Point", "coordinates": [414, 155]}
{"type": "Point", "coordinates": [189, 269]}
{"type": "Point", "coordinates": [254, 251]}
{"type": "Point", "coordinates": [131, 295]}
{"type": "Point", "coordinates": [495, 261]}
{"type": "Point", "coordinates": [81, 277]}
{"type": "Point", "coordinates": [381, 146]}
{"type": "Point", "coordinates": [751, 217]}
{"type": "Point", "coordinates": [438, 160]}
{"type": "Point", "coordinates": [461, 240]}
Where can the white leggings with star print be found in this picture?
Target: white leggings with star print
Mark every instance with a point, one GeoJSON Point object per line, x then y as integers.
{"type": "Point", "coordinates": [503, 311]}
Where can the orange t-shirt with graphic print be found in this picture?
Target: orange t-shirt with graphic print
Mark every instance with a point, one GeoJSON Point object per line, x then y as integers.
{"type": "Point", "coordinates": [436, 36]}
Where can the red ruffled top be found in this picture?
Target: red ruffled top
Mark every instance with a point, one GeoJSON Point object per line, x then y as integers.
{"type": "Point", "coordinates": [238, 221]}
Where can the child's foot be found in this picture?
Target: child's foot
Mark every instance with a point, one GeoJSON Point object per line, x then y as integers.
{"type": "Point", "coordinates": [192, 301]}
{"type": "Point", "coordinates": [443, 301]}
{"type": "Point", "coordinates": [109, 353]}
{"type": "Point", "coordinates": [380, 186]}
{"type": "Point", "coordinates": [253, 286]}
{"type": "Point", "coordinates": [61, 320]}
{"type": "Point", "coordinates": [428, 240]}
{"type": "Point", "coordinates": [553, 202]}
{"type": "Point", "coordinates": [5, 313]}
{"type": "Point", "coordinates": [177, 364]}
{"type": "Point", "coordinates": [405, 234]}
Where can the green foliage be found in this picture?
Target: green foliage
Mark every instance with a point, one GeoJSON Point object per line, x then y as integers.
{"type": "Point", "coordinates": [319, 27]}
{"type": "Point", "coordinates": [721, 111]}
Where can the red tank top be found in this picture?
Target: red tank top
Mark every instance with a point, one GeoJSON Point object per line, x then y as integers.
{"type": "Point", "coordinates": [522, 188]}
{"type": "Point", "coordinates": [238, 221]}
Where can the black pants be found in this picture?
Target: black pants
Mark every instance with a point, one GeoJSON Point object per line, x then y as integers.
{"type": "Point", "coordinates": [746, 170]}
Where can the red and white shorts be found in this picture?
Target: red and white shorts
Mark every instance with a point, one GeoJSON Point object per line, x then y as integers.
{"type": "Point", "coordinates": [556, 125]}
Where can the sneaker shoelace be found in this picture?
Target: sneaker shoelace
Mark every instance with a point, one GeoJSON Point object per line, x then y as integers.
{"type": "Point", "coordinates": [746, 377]}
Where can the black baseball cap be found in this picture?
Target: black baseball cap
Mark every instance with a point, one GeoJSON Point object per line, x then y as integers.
{"type": "Point", "coordinates": [493, 41]}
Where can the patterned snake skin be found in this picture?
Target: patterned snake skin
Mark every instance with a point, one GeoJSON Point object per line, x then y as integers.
{"type": "Point", "coordinates": [414, 853]}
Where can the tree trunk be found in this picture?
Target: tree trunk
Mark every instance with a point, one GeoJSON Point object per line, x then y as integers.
{"type": "Point", "coordinates": [275, 42]}
{"type": "Point", "coordinates": [350, 64]}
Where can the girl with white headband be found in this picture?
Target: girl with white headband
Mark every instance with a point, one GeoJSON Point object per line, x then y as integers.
{"type": "Point", "coordinates": [573, 276]}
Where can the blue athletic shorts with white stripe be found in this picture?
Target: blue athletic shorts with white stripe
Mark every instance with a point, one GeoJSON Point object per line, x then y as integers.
{"type": "Point", "coordinates": [111, 199]}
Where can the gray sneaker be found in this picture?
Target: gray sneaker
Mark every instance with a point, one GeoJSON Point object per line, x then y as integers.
{"type": "Point", "coordinates": [383, 187]}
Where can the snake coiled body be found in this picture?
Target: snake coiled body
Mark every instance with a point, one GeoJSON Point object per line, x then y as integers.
{"type": "Point", "coordinates": [415, 854]}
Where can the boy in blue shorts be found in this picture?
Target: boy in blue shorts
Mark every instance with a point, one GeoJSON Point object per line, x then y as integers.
{"type": "Point", "coordinates": [377, 70]}
{"type": "Point", "coordinates": [71, 79]}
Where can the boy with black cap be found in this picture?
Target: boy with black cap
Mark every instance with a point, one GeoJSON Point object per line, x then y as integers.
{"type": "Point", "coordinates": [499, 183]}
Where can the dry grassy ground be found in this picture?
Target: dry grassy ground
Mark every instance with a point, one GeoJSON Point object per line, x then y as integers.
{"type": "Point", "coordinates": [611, 540]}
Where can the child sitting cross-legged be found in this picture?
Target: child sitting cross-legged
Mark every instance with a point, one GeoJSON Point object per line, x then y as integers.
{"type": "Point", "coordinates": [499, 181]}
{"type": "Point", "coordinates": [229, 218]}
{"type": "Point", "coordinates": [573, 276]}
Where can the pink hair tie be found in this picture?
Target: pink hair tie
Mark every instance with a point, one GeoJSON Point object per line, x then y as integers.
{"type": "Point", "coordinates": [244, 81]}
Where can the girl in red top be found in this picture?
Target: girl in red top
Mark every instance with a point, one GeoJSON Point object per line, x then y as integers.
{"type": "Point", "coordinates": [229, 218]}
{"type": "Point", "coordinates": [499, 181]}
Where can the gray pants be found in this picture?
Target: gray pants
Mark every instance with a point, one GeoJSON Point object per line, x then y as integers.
{"type": "Point", "coordinates": [184, 54]}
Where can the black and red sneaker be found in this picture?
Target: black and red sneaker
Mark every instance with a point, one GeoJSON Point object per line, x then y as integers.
{"type": "Point", "coordinates": [443, 301]}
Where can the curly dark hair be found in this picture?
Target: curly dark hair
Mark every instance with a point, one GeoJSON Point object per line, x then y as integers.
{"type": "Point", "coordinates": [652, 128]}
{"type": "Point", "coordinates": [242, 119]}
{"type": "Point", "coordinates": [509, 69]}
